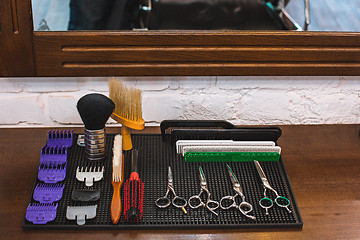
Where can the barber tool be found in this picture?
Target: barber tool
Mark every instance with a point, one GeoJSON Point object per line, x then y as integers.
{"type": "Point", "coordinates": [48, 192]}
{"type": "Point", "coordinates": [81, 213]}
{"type": "Point", "coordinates": [221, 153]}
{"type": "Point", "coordinates": [177, 201]}
{"type": "Point", "coordinates": [180, 144]}
{"type": "Point", "coordinates": [52, 173]}
{"type": "Point", "coordinates": [196, 199]}
{"type": "Point", "coordinates": [53, 155]}
{"type": "Point", "coordinates": [244, 207]}
{"type": "Point", "coordinates": [85, 195]}
{"type": "Point", "coordinates": [128, 109]}
{"type": "Point", "coordinates": [89, 175]}
{"type": "Point", "coordinates": [230, 156]}
{"type": "Point", "coordinates": [41, 213]}
{"type": "Point", "coordinates": [133, 192]}
{"type": "Point", "coordinates": [117, 179]}
{"type": "Point", "coordinates": [62, 138]}
{"type": "Point", "coordinates": [266, 202]}
{"type": "Point", "coordinates": [95, 109]}
{"type": "Point", "coordinates": [230, 153]}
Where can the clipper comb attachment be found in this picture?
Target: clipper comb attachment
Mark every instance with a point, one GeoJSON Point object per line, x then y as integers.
{"type": "Point", "coordinates": [53, 155]}
{"type": "Point", "coordinates": [48, 193]}
{"type": "Point", "coordinates": [85, 195]}
{"type": "Point", "coordinates": [50, 173]}
{"type": "Point", "coordinates": [60, 138]}
{"type": "Point", "coordinates": [81, 213]}
{"type": "Point", "coordinates": [39, 213]}
{"type": "Point", "coordinates": [89, 175]}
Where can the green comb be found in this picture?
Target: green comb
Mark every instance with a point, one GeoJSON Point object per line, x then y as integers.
{"type": "Point", "coordinates": [231, 156]}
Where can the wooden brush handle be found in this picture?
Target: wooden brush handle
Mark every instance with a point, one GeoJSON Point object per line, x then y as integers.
{"type": "Point", "coordinates": [125, 133]}
{"type": "Point", "coordinates": [116, 202]}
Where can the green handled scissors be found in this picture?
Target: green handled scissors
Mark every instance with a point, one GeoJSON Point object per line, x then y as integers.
{"type": "Point", "coordinates": [196, 199]}
{"type": "Point", "coordinates": [266, 202]}
{"type": "Point", "coordinates": [244, 207]}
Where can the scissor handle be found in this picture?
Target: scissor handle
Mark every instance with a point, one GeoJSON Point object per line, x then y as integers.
{"type": "Point", "coordinates": [179, 202]}
{"type": "Point", "coordinates": [283, 202]}
{"type": "Point", "coordinates": [266, 203]}
{"type": "Point", "coordinates": [226, 198]}
{"type": "Point", "coordinates": [212, 204]}
{"type": "Point", "coordinates": [195, 199]}
{"type": "Point", "coordinates": [162, 202]}
{"type": "Point", "coordinates": [246, 208]}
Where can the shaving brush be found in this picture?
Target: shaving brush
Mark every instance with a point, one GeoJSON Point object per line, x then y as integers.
{"type": "Point", "coordinates": [95, 109]}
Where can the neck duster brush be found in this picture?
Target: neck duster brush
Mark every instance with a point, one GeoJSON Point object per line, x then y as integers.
{"type": "Point", "coordinates": [127, 111]}
{"type": "Point", "coordinates": [95, 109]}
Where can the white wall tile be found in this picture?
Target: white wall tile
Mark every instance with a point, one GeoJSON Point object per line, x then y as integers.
{"type": "Point", "coordinates": [23, 109]}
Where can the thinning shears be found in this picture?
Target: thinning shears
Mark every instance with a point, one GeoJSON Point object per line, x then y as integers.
{"type": "Point", "coordinates": [177, 201]}
{"type": "Point", "coordinates": [266, 202]}
{"type": "Point", "coordinates": [229, 201]}
{"type": "Point", "coordinates": [196, 201]}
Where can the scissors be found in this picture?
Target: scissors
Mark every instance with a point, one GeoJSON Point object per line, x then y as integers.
{"type": "Point", "coordinates": [209, 204]}
{"type": "Point", "coordinates": [244, 207]}
{"type": "Point", "coordinates": [177, 201]}
{"type": "Point", "coordinates": [266, 202]}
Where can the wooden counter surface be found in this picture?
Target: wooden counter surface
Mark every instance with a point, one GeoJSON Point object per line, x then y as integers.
{"type": "Point", "coordinates": [322, 162]}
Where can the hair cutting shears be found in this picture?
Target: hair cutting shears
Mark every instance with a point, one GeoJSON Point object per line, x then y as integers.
{"type": "Point", "coordinates": [230, 201]}
{"type": "Point", "coordinates": [266, 202]}
{"type": "Point", "coordinates": [196, 201]}
{"type": "Point", "coordinates": [177, 201]}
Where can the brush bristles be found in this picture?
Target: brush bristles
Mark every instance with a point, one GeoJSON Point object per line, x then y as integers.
{"type": "Point", "coordinates": [127, 100]}
{"type": "Point", "coordinates": [117, 159]}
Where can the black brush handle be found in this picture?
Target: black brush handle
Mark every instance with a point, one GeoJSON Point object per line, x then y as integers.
{"type": "Point", "coordinates": [134, 161]}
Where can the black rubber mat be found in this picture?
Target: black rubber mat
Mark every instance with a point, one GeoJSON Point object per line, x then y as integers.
{"type": "Point", "coordinates": [155, 156]}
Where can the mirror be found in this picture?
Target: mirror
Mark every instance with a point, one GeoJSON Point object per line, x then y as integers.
{"type": "Point", "coordinates": [52, 50]}
{"type": "Point", "coordinates": [325, 15]}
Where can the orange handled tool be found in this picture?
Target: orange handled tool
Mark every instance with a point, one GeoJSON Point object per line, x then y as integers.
{"type": "Point", "coordinates": [117, 179]}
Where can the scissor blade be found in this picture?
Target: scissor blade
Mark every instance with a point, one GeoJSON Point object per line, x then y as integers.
{"type": "Point", "coordinates": [233, 178]}
{"type": "Point", "coordinates": [170, 177]}
{"type": "Point", "coordinates": [260, 171]}
{"type": "Point", "coordinates": [202, 175]}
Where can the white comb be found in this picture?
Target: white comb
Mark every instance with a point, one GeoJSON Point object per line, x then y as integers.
{"type": "Point", "coordinates": [180, 144]}
{"type": "Point", "coordinates": [276, 149]}
{"type": "Point", "coordinates": [89, 176]}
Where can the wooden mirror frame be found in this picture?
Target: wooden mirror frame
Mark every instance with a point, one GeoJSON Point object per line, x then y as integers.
{"type": "Point", "coordinates": [169, 53]}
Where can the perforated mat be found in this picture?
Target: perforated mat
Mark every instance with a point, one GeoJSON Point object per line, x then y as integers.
{"type": "Point", "coordinates": [155, 156]}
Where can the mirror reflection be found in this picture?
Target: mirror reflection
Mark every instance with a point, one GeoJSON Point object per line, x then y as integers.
{"type": "Point", "coordinates": [298, 15]}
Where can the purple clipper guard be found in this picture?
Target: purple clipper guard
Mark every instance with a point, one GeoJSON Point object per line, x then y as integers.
{"type": "Point", "coordinates": [60, 138]}
{"type": "Point", "coordinates": [48, 192]}
{"type": "Point", "coordinates": [50, 173]}
{"type": "Point", "coordinates": [39, 213]}
{"type": "Point", "coordinates": [53, 155]}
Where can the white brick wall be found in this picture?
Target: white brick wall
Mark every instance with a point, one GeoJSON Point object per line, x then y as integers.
{"type": "Point", "coordinates": [51, 102]}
